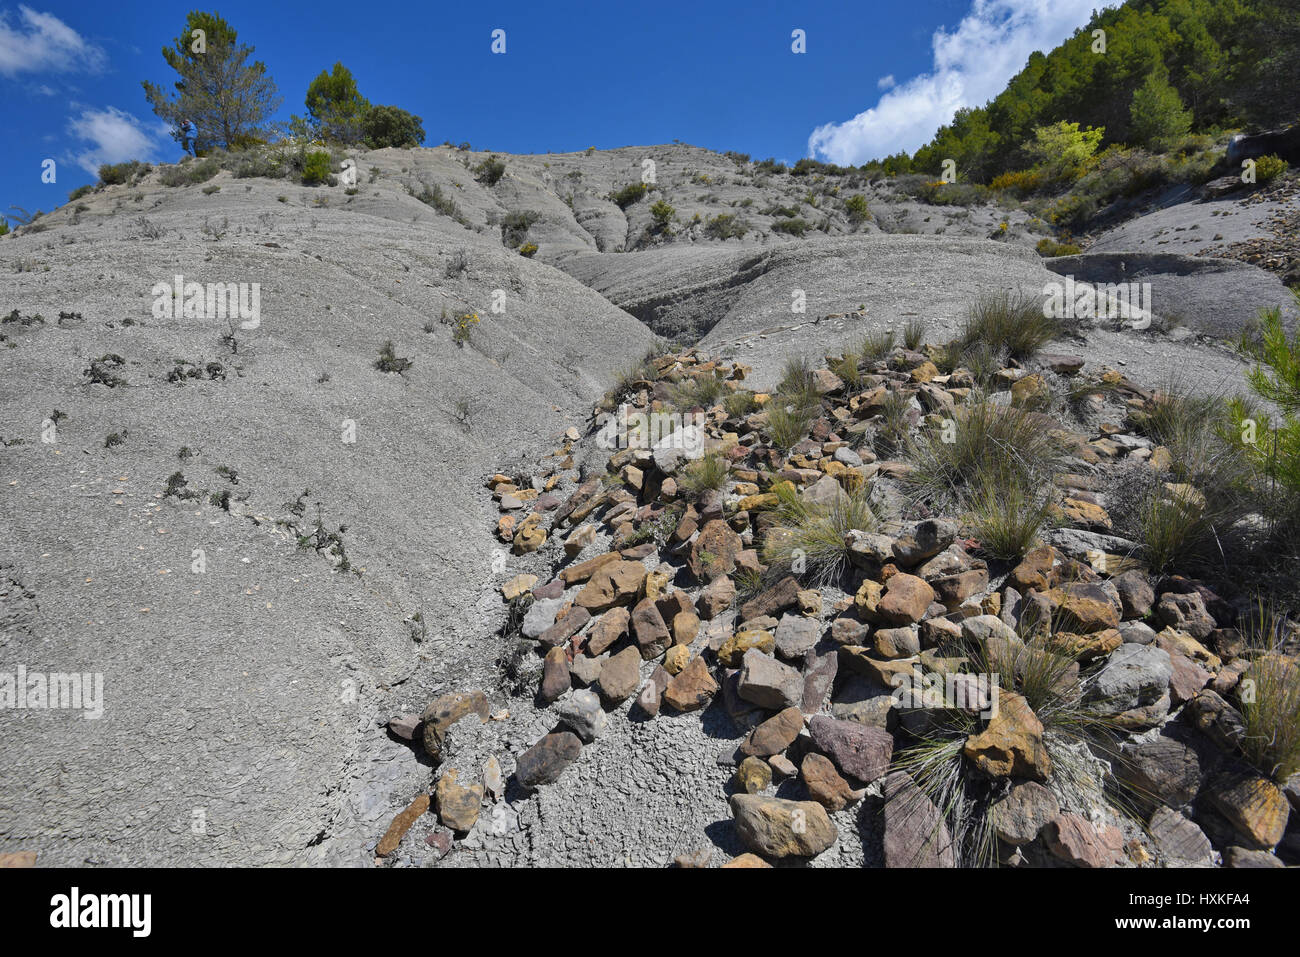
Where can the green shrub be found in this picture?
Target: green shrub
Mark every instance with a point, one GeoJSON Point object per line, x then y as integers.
{"type": "Point", "coordinates": [1275, 378]}
{"type": "Point", "coordinates": [986, 444]}
{"type": "Point", "coordinates": [856, 207]}
{"type": "Point", "coordinates": [1269, 695]}
{"type": "Point", "coordinates": [876, 345]}
{"type": "Point", "coordinates": [629, 194]}
{"type": "Point", "coordinates": [316, 168]}
{"type": "Point", "coordinates": [389, 361]}
{"type": "Point", "coordinates": [662, 213]}
{"type": "Point", "coordinates": [795, 227]}
{"type": "Point", "coordinates": [1072, 211]}
{"type": "Point", "coordinates": [1010, 323]}
{"type": "Point", "coordinates": [849, 369]}
{"type": "Point", "coordinates": [739, 404]}
{"type": "Point", "coordinates": [190, 173]}
{"type": "Point", "coordinates": [490, 171]}
{"type": "Point", "coordinates": [391, 126]}
{"type": "Point", "coordinates": [1182, 515]}
{"type": "Point", "coordinates": [725, 226]}
{"type": "Point", "coordinates": [808, 538]}
{"type": "Point", "coordinates": [1007, 517]}
{"type": "Point", "coordinates": [515, 226]}
{"type": "Point", "coordinates": [895, 423]}
{"type": "Point", "coordinates": [1156, 112]}
{"type": "Point", "coordinates": [1063, 150]}
{"type": "Point", "coordinates": [527, 250]}
{"type": "Point", "coordinates": [796, 383]}
{"type": "Point", "coordinates": [1268, 168]}
{"type": "Point", "coordinates": [1047, 248]}
{"type": "Point", "coordinates": [440, 201]}
{"type": "Point", "coordinates": [914, 334]}
{"type": "Point", "coordinates": [703, 391]}
{"type": "Point", "coordinates": [707, 472]}
{"type": "Point", "coordinates": [265, 164]}
{"type": "Point", "coordinates": [787, 422]}
{"type": "Point", "coordinates": [115, 174]}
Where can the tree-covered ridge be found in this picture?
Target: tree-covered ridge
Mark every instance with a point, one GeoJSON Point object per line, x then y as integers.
{"type": "Point", "coordinates": [1162, 69]}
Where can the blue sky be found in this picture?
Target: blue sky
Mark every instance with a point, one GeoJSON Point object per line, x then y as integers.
{"type": "Point", "coordinates": [876, 77]}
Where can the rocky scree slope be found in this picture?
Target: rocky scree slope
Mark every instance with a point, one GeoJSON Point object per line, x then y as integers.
{"type": "Point", "coordinates": [645, 607]}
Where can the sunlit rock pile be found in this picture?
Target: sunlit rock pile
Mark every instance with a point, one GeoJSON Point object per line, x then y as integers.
{"type": "Point", "coordinates": [1063, 706]}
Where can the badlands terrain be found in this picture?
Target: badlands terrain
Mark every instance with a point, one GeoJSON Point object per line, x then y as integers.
{"type": "Point", "coordinates": [278, 553]}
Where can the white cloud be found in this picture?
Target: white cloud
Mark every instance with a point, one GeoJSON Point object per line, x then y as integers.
{"type": "Point", "coordinates": [114, 136]}
{"type": "Point", "coordinates": [42, 42]}
{"type": "Point", "coordinates": [886, 82]}
{"type": "Point", "coordinates": [972, 64]}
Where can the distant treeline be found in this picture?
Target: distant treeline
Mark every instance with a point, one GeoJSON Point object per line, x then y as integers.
{"type": "Point", "coordinates": [1163, 69]}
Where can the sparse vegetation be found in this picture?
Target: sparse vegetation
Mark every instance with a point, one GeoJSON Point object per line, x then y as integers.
{"type": "Point", "coordinates": [629, 194]}
{"type": "Point", "coordinates": [103, 371]}
{"type": "Point", "coordinates": [1008, 323]}
{"type": "Point", "coordinates": [808, 538]}
{"type": "Point", "coordinates": [389, 361]}
{"type": "Point", "coordinates": [490, 171]}
{"type": "Point", "coordinates": [725, 226]}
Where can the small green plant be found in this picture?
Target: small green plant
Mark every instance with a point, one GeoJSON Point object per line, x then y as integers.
{"type": "Point", "coordinates": [116, 174]}
{"type": "Point", "coordinates": [739, 404]}
{"type": "Point", "coordinates": [849, 369]}
{"type": "Point", "coordinates": [707, 472]}
{"type": "Point", "coordinates": [1010, 323]}
{"type": "Point", "coordinates": [1269, 168]}
{"type": "Point", "coordinates": [1007, 517]}
{"type": "Point", "coordinates": [856, 207]}
{"type": "Point", "coordinates": [876, 345]}
{"type": "Point", "coordinates": [515, 226]}
{"type": "Point", "coordinates": [808, 538]}
{"type": "Point", "coordinates": [1269, 694]}
{"type": "Point", "coordinates": [490, 171]}
{"type": "Point", "coordinates": [528, 250]}
{"type": "Point", "coordinates": [316, 168]}
{"type": "Point", "coordinates": [787, 421]}
{"type": "Point", "coordinates": [662, 215]}
{"type": "Point", "coordinates": [794, 227]}
{"type": "Point", "coordinates": [102, 371]}
{"type": "Point", "coordinates": [914, 334]}
{"type": "Point", "coordinates": [1048, 248]}
{"type": "Point", "coordinates": [190, 173]}
{"type": "Point", "coordinates": [983, 443]}
{"type": "Point", "coordinates": [895, 423]}
{"type": "Point", "coordinates": [629, 194]}
{"type": "Point", "coordinates": [389, 361]}
{"type": "Point", "coordinates": [177, 487]}
{"type": "Point", "coordinates": [701, 391]}
{"type": "Point", "coordinates": [725, 226]}
{"type": "Point", "coordinates": [461, 328]}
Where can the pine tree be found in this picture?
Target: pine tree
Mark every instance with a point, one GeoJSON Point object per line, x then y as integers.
{"type": "Point", "coordinates": [336, 108]}
{"type": "Point", "coordinates": [226, 97]}
{"type": "Point", "coordinates": [1157, 111]}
